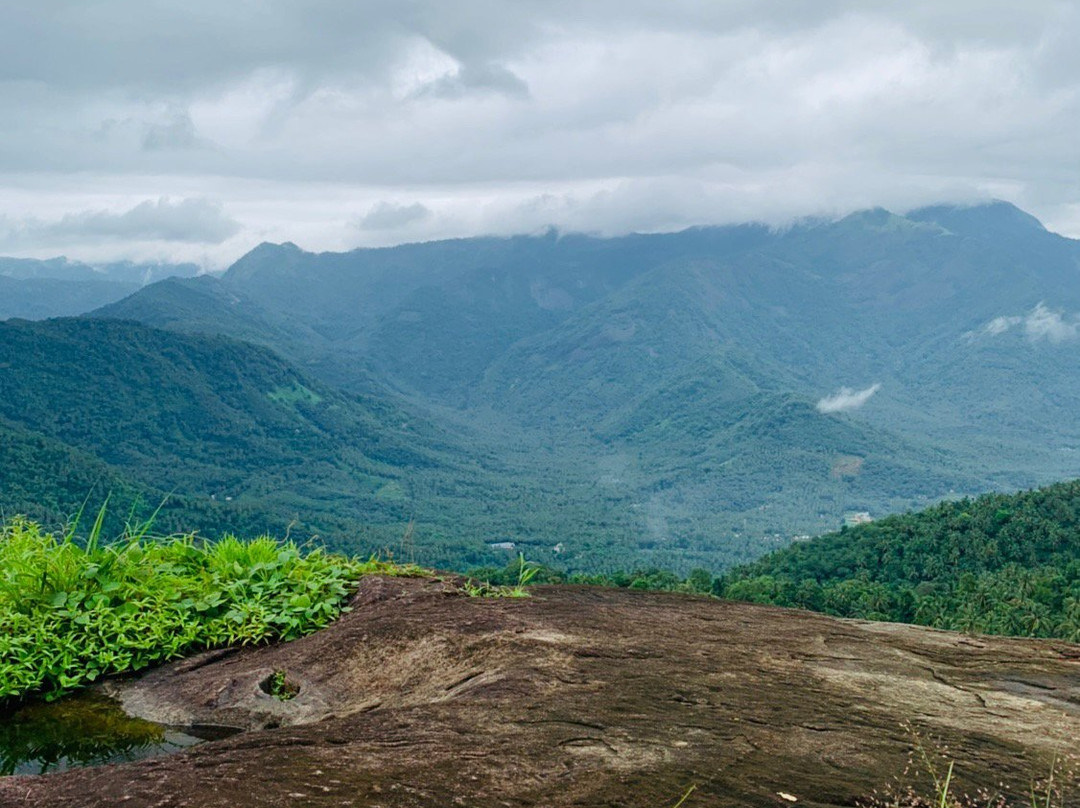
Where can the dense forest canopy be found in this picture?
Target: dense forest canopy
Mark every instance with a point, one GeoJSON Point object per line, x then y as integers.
{"type": "Point", "coordinates": [998, 564]}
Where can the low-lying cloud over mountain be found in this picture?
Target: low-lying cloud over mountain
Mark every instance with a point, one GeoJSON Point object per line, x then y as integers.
{"type": "Point", "coordinates": [509, 117]}
{"type": "Point", "coordinates": [846, 399]}
{"type": "Point", "coordinates": [1041, 323]}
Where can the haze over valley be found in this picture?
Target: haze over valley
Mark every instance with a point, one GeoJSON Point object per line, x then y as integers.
{"type": "Point", "coordinates": [676, 400]}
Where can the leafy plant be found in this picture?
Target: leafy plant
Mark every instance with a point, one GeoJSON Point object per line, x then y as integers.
{"type": "Point", "coordinates": [72, 612]}
{"type": "Point", "coordinates": [524, 572]}
{"type": "Point", "coordinates": [281, 687]}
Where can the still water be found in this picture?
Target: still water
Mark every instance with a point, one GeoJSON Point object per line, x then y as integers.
{"type": "Point", "coordinates": [87, 729]}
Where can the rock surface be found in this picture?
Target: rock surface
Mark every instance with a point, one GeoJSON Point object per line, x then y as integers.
{"type": "Point", "coordinates": [586, 697]}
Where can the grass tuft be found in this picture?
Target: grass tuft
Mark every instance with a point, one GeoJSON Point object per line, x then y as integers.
{"type": "Point", "coordinates": [928, 782]}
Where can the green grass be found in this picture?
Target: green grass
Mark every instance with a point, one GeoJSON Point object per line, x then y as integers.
{"type": "Point", "coordinates": [72, 611]}
{"type": "Point", "coordinates": [522, 571]}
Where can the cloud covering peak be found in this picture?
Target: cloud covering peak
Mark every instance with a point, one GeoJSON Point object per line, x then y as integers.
{"type": "Point", "coordinates": [509, 117]}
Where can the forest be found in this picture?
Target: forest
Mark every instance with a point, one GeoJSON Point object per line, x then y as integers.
{"type": "Point", "coordinates": [996, 564]}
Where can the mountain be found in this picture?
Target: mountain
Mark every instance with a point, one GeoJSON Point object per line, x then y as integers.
{"type": "Point", "coordinates": [1000, 564]}
{"type": "Point", "coordinates": [427, 317]}
{"type": "Point", "coordinates": [40, 298]}
{"type": "Point", "coordinates": [64, 269]}
{"type": "Point", "coordinates": [211, 419]}
{"type": "Point", "coordinates": [35, 290]}
{"type": "Point", "coordinates": [240, 440]}
{"type": "Point", "coordinates": [721, 389]}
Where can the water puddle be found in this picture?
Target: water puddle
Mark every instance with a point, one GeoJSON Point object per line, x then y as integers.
{"type": "Point", "coordinates": [87, 729]}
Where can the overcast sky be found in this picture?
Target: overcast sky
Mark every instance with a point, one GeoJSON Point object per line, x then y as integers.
{"type": "Point", "coordinates": [194, 130]}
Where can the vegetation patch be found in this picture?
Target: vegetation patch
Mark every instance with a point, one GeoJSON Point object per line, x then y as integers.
{"type": "Point", "coordinates": [294, 394]}
{"type": "Point", "coordinates": [72, 611]}
{"type": "Point", "coordinates": [280, 686]}
{"type": "Point", "coordinates": [517, 575]}
{"type": "Point", "coordinates": [998, 564]}
{"type": "Point", "coordinates": [929, 781]}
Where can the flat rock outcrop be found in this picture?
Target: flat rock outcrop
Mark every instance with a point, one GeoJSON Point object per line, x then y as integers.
{"type": "Point", "coordinates": [421, 696]}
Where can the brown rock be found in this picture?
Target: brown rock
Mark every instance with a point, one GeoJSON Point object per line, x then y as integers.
{"type": "Point", "coordinates": [586, 697]}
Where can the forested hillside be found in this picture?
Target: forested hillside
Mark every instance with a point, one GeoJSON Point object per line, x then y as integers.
{"type": "Point", "coordinates": [212, 420]}
{"type": "Point", "coordinates": [235, 439]}
{"type": "Point", "coordinates": [999, 564]}
{"type": "Point", "coordinates": [678, 377]}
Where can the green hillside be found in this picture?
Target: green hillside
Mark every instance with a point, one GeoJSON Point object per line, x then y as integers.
{"type": "Point", "coordinates": [213, 420]}
{"type": "Point", "coordinates": [244, 442]}
{"type": "Point", "coordinates": [1000, 564]}
{"type": "Point", "coordinates": [668, 381]}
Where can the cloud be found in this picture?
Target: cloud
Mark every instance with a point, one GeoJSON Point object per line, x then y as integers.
{"type": "Point", "coordinates": [196, 221]}
{"type": "Point", "coordinates": [1041, 323]}
{"type": "Point", "coordinates": [177, 132]}
{"type": "Point", "coordinates": [999, 325]}
{"type": "Point", "coordinates": [468, 78]}
{"type": "Point", "coordinates": [612, 116]}
{"type": "Point", "coordinates": [391, 216]}
{"type": "Point", "coordinates": [846, 399]}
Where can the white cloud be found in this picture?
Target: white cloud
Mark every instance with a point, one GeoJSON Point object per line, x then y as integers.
{"type": "Point", "coordinates": [1041, 323]}
{"type": "Point", "coordinates": [999, 325]}
{"type": "Point", "coordinates": [199, 221]}
{"type": "Point", "coordinates": [608, 116]}
{"type": "Point", "coordinates": [846, 399]}
{"type": "Point", "coordinates": [391, 216]}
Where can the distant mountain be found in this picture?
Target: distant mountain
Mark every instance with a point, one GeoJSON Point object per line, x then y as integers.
{"type": "Point", "coordinates": [428, 318]}
{"type": "Point", "coordinates": [678, 374]}
{"type": "Point", "coordinates": [64, 269]}
{"type": "Point", "coordinates": [35, 290]}
{"type": "Point", "coordinates": [40, 298]}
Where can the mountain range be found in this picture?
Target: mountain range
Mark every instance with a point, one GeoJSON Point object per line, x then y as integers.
{"type": "Point", "coordinates": [683, 399]}
{"type": "Point", "coordinates": [36, 289]}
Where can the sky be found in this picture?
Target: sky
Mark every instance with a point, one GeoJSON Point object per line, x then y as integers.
{"type": "Point", "coordinates": [192, 131]}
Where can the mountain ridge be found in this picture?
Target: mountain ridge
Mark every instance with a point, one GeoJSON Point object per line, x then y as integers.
{"type": "Point", "coordinates": [551, 346]}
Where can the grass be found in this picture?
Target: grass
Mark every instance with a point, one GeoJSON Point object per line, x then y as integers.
{"type": "Point", "coordinates": [525, 572]}
{"type": "Point", "coordinates": [73, 611]}
{"type": "Point", "coordinates": [929, 782]}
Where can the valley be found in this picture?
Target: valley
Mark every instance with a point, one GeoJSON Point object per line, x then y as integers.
{"type": "Point", "coordinates": [676, 400]}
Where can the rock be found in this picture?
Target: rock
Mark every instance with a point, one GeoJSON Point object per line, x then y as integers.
{"type": "Point", "coordinates": [586, 697]}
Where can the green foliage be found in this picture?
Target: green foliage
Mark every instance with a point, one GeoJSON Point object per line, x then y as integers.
{"type": "Point", "coordinates": [999, 564]}
{"type": "Point", "coordinates": [699, 582]}
{"type": "Point", "coordinates": [517, 575]}
{"type": "Point", "coordinates": [73, 611]}
{"type": "Point", "coordinates": [281, 687]}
